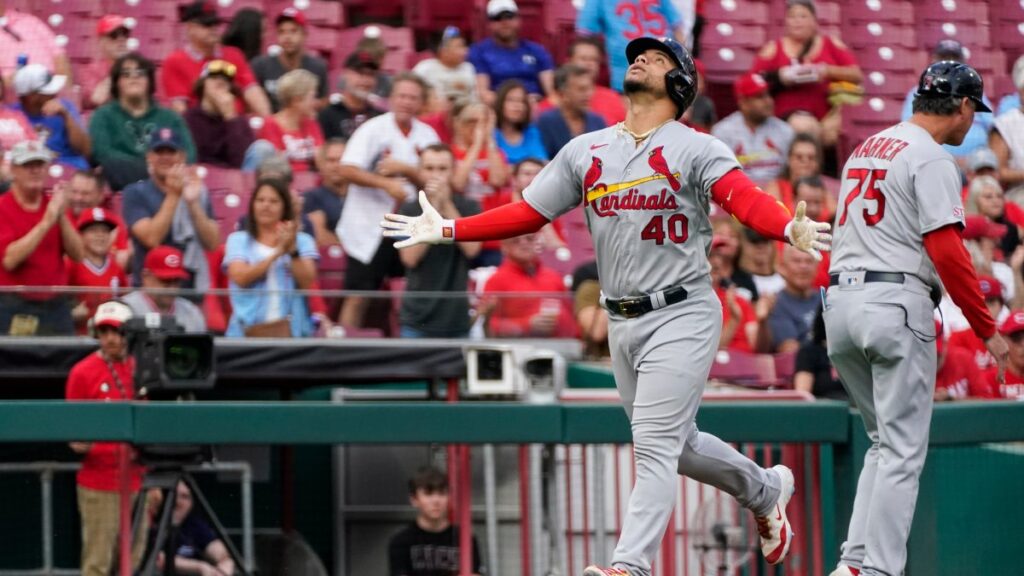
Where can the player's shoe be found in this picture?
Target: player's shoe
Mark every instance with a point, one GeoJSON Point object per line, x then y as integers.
{"type": "Point", "coordinates": [599, 571]}
{"type": "Point", "coordinates": [844, 570]}
{"type": "Point", "coordinates": [774, 529]}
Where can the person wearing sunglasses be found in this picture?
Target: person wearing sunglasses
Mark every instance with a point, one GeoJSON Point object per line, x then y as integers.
{"type": "Point", "coordinates": [450, 75]}
{"type": "Point", "coordinates": [120, 128]}
{"type": "Point", "coordinates": [505, 55]}
{"type": "Point", "coordinates": [112, 34]}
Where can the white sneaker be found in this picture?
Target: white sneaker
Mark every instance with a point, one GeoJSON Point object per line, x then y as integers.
{"type": "Point", "coordinates": [774, 529]}
{"type": "Point", "coordinates": [844, 570]}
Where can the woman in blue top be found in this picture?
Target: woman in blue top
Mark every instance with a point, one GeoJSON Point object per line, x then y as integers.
{"type": "Point", "coordinates": [517, 137]}
{"type": "Point", "coordinates": [267, 261]}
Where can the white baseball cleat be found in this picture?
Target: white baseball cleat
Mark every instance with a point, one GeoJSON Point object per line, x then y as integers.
{"type": "Point", "coordinates": [844, 570]}
{"type": "Point", "coordinates": [774, 529]}
{"type": "Point", "coordinates": [599, 571]}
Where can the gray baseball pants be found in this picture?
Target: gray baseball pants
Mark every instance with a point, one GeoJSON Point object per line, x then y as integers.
{"type": "Point", "coordinates": [661, 362]}
{"type": "Point", "coordinates": [881, 341]}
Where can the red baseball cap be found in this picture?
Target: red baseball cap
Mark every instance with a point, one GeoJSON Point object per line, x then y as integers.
{"type": "Point", "coordinates": [976, 227]}
{"type": "Point", "coordinates": [749, 85]}
{"type": "Point", "coordinates": [97, 215]}
{"type": "Point", "coordinates": [718, 241]}
{"type": "Point", "coordinates": [111, 22]}
{"type": "Point", "coordinates": [990, 287]}
{"type": "Point", "coordinates": [166, 263]}
{"type": "Point", "coordinates": [1014, 323]}
{"type": "Point", "coordinates": [291, 13]}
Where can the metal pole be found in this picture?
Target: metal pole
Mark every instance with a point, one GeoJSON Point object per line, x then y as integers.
{"type": "Point", "coordinates": [525, 513]}
{"type": "Point", "coordinates": [555, 506]}
{"type": "Point", "coordinates": [248, 547]}
{"type": "Point", "coordinates": [465, 513]}
{"type": "Point", "coordinates": [46, 486]}
{"type": "Point", "coordinates": [491, 511]}
{"type": "Point", "coordinates": [600, 501]}
{"type": "Point", "coordinates": [537, 509]}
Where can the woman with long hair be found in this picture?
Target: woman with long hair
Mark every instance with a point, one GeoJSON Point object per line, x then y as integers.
{"type": "Point", "coordinates": [514, 132]}
{"type": "Point", "coordinates": [804, 158]}
{"type": "Point", "coordinates": [481, 169]}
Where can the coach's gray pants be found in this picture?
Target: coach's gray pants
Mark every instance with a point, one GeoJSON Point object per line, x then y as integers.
{"type": "Point", "coordinates": [881, 341]}
{"type": "Point", "coordinates": [661, 362]}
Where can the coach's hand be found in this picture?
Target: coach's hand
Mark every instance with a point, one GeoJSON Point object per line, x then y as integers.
{"type": "Point", "coordinates": [1000, 351]}
{"type": "Point", "coordinates": [427, 228]}
{"type": "Point", "coordinates": [807, 235]}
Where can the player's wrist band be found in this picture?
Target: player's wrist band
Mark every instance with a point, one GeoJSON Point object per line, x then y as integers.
{"type": "Point", "coordinates": [447, 230]}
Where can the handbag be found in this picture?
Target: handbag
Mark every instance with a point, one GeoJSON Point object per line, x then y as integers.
{"type": "Point", "coordinates": [280, 328]}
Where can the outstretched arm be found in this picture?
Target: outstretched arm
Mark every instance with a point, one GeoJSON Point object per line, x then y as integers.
{"type": "Point", "coordinates": [506, 221]}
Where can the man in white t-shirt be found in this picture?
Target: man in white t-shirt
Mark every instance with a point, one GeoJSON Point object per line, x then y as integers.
{"type": "Point", "coordinates": [381, 162]}
{"type": "Point", "coordinates": [451, 76]}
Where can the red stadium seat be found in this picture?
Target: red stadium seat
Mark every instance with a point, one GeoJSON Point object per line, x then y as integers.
{"type": "Point", "coordinates": [157, 10]}
{"type": "Point", "coordinates": [969, 34]}
{"type": "Point", "coordinates": [229, 193]}
{"type": "Point", "coordinates": [303, 181]}
{"type": "Point", "coordinates": [43, 8]}
{"type": "Point", "coordinates": [724, 34]}
{"type": "Point", "coordinates": [892, 58]}
{"type": "Point", "coordinates": [744, 369]}
{"type": "Point", "coordinates": [724, 64]}
{"type": "Point", "coordinates": [737, 11]}
{"type": "Point", "coordinates": [875, 110]}
{"type": "Point", "coordinates": [326, 14]}
{"type": "Point", "coordinates": [398, 40]}
{"type": "Point", "coordinates": [1011, 11]}
{"type": "Point", "coordinates": [1010, 37]}
{"type": "Point", "coordinates": [434, 15]}
{"type": "Point", "coordinates": [228, 12]}
{"type": "Point", "coordinates": [322, 40]}
{"type": "Point", "coordinates": [876, 33]}
{"type": "Point", "coordinates": [892, 11]}
{"type": "Point", "coordinates": [888, 83]}
{"type": "Point", "coordinates": [952, 11]}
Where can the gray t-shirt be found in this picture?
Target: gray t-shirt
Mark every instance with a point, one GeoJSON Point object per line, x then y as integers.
{"type": "Point", "coordinates": [762, 151]}
{"type": "Point", "coordinates": [185, 313]}
{"type": "Point", "coordinates": [646, 206]}
{"type": "Point", "coordinates": [792, 317]}
{"type": "Point", "coordinates": [268, 69]}
{"type": "Point", "coordinates": [897, 186]}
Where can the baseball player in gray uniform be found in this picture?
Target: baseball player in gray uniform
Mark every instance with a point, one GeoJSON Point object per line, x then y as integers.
{"type": "Point", "coordinates": [646, 185]}
{"type": "Point", "coordinates": [897, 233]}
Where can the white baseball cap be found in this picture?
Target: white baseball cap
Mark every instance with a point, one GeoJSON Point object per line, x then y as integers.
{"type": "Point", "coordinates": [495, 7]}
{"type": "Point", "coordinates": [30, 151]}
{"type": "Point", "coordinates": [36, 78]}
{"type": "Point", "coordinates": [112, 313]}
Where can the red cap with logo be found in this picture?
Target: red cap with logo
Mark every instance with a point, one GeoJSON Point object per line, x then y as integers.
{"type": "Point", "coordinates": [97, 215]}
{"type": "Point", "coordinates": [291, 13]}
{"type": "Point", "coordinates": [166, 263]}
{"type": "Point", "coordinates": [111, 22]}
{"type": "Point", "coordinates": [990, 287]}
{"type": "Point", "coordinates": [749, 85]}
{"type": "Point", "coordinates": [1014, 323]}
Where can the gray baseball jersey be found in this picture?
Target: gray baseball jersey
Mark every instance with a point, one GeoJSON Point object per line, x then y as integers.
{"type": "Point", "coordinates": [646, 206]}
{"type": "Point", "coordinates": [762, 151]}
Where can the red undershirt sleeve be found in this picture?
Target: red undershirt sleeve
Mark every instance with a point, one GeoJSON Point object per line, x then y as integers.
{"type": "Point", "coordinates": [739, 196]}
{"type": "Point", "coordinates": [506, 221]}
{"type": "Point", "coordinates": [953, 264]}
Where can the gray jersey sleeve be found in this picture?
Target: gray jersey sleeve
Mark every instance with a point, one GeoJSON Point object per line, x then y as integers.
{"type": "Point", "coordinates": [937, 185]}
{"type": "Point", "coordinates": [712, 161]}
{"type": "Point", "coordinates": [558, 187]}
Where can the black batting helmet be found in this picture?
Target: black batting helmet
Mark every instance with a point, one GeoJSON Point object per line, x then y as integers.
{"type": "Point", "coordinates": [953, 79]}
{"type": "Point", "coordinates": [681, 82]}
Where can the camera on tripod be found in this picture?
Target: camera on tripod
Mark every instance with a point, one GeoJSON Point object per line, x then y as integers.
{"type": "Point", "coordinates": [168, 362]}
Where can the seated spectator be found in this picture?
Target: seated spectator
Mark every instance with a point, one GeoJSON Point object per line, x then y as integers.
{"type": "Point", "coordinates": [982, 162]}
{"type": "Point", "coordinates": [291, 25]}
{"type": "Point", "coordinates": [572, 117]}
{"type": "Point", "coordinates": [591, 317]}
{"type": "Point", "coordinates": [981, 237]}
{"type": "Point", "coordinates": [245, 32]}
{"type": "Point", "coordinates": [727, 231]}
{"type": "Point", "coordinates": [430, 545]}
{"type": "Point", "coordinates": [55, 120]}
{"type": "Point", "coordinates": [803, 66]}
{"type": "Point", "coordinates": [371, 44]}
{"type": "Point", "coordinates": [112, 33]}
{"type": "Point", "coordinates": [523, 316]}
{"type": "Point", "coordinates": [977, 136]}
{"type": "Point", "coordinates": [588, 53]}
{"type": "Point", "coordinates": [985, 198]}
{"type": "Point", "coordinates": [754, 134]}
{"type": "Point", "coordinates": [1012, 101]}
{"type": "Point", "coordinates": [1007, 140]}
{"type": "Point", "coordinates": [449, 74]}
{"type": "Point", "coordinates": [14, 126]}
{"type": "Point", "coordinates": [322, 205]}
{"type": "Point", "coordinates": [25, 34]}
{"type": "Point", "coordinates": [199, 550]}
{"type": "Point", "coordinates": [813, 371]}
{"type": "Point", "coordinates": [293, 130]}
{"type": "Point", "coordinates": [1013, 387]}
{"type": "Point", "coordinates": [701, 115]}
{"type": "Point", "coordinates": [517, 137]}
{"type": "Point", "coordinates": [98, 269]}
{"type": "Point", "coordinates": [804, 158]}
{"type": "Point", "coordinates": [266, 262]}
{"type": "Point", "coordinates": [85, 192]}
{"type": "Point", "coordinates": [163, 275]}
{"type": "Point", "coordinates": [36, 234]}
{"type": "Point", "coordinates": [481, 169]}
{"type": "Point", "coordinates": [183, 67]}
{"type": "Point", "coordinates": [757, 258]}
{"type": "Point", "coordinates": [441, 267]}
{"type": "Point", "coordinates": [966, 340]}
{"type": "Point", "coordinates": [224, 136]}
{"type": "Point", "coordinates": [503, 55]}
{"type": "Point", "coordinates": [171, 207]}
{"type": "Point", "coordinates": [956, 375]}
{"type": "Point", "coordinates": [739, 323]}
{"type": "Point", "coordinates": [120, 128]}
{"type": "Point", "coordinates": [785, 319]}
{"type": "Point", "coordinates": [352, 104]}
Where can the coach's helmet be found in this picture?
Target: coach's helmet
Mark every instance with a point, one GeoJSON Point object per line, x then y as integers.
{"type": "Point", "coordinates": [953, 79]}
{"type": "Point", "coordinates": [681, 82]}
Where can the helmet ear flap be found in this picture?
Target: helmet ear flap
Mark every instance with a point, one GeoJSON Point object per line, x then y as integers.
{"type": "Point", "coordinates": [681, 88]}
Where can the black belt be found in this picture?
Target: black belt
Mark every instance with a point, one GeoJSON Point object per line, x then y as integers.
{"type": "Point", "coordinates": [639, 305]}
{"type": "Point", "coordinates": [892, 277]}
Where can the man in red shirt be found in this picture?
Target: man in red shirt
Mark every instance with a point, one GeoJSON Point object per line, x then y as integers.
{"type": "Point", "coordinates": [739, 321]}
{"type": "Point", "coordinates": [957, 376]}
{"type": "Point", "coordinates": [182, 68]}
{"type": "Point", "coordinates": [98, 269]}
{"type": "Point", "coordinates": [35, 235]}
{"type": "Point", "coordinates": [992, 290]}
{"type": "Point", "coordinates": [105, 376]}
{"type": "Point", "coordinates": [1013, 329]}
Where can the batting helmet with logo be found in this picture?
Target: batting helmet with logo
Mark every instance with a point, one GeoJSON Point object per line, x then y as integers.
{"type": "Point", "coordinates": [680, 82]}
{"type": "Point", "coordinates": [953, 79]}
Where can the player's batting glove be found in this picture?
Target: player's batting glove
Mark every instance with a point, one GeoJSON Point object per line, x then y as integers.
{"type": "Point", "coordinates": [427, 228]}
{"type": "Point", "coordinates": [807, 235]}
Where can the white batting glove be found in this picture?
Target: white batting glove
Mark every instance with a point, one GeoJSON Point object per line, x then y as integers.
{"type": "Point", "coordinates": [427, 228]}
{"type": "Point", "coordinates": [807, 235]}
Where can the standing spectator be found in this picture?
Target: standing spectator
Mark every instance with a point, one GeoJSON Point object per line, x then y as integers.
{"type": "Point", "coordinates": [199, 550]}
{"type": "Point", "coordinates": [739, 323]}
{"type": "Point", "coordinates": [620, 21]}
{"type": "Point", "coordinates": [36, 234]}
{"type": "Point", "coordinates": [1012, 100]}
{"type": "Point", "coordinates": [588, 53]}
{"type": "Point", "coordinates": [1013, 387]}
{"type": "Point", "coordinates": [572, 117]}
{"type": "Point", "coordinates": [1007, 140]}
{"type": "Point", "coordinates": [120, 128]}
{"type": "Point", "coordinates": [27, 34]}
{"type": "Point", "coordinates": [803, 159]}
{"type": "Point", "coordinates": [108, 375]}
{"type": "Point", "coordinates": [381, 163]}
{"type": "Point", "coordinates": [591, 317]}
{"type": "Point", "coordinates": [785, 319]}
{"type": "Point", "coordinates": [481, 169]}
{"type": "Point", "coordinates": [451, 76]}
{"type": "Point", "coordinates": [813, 371]}
{"type": "Point", "coordinates": [503, 55]}
{"type": "Point", "coordinates": [94, 79]}
{"type": "Point", "coordinates": [517, 137]}
{"type": "Point", "coordinates": [14, 127]}
{"type": "Point", "coordinates": [323, 205]}
{"type": "Point", "coordinates": [183, 67]}
{"type": "Point", "coordinates": [86, 191]}
{"type": "Point", "coordinates": [55, 119]}
{"type": "Point", "coordinates": [352, 106]}
{"type": "Point", "coordinates": [163, 274]}
{"type": "Point", "coordinates": [523, 316]}
{"type": "Point", "coordinates": [266, 262]}
{"type": "Point", "coordinates": [757, 138]}
{"type": "Point", "coordinates": [245, 32]}
{"type": "Point", "coordinates": [171, 208]}
{"type": "Point", "coordinates": [985, 198]}
{"type": "Point", "coordinates": [438, 268]}
{"type": "Point", "coordinates": [98, 267]}
{"type": "Point", "coordinates": [291, 37]}
{"type": "Point", "coordinates": [294, 130]}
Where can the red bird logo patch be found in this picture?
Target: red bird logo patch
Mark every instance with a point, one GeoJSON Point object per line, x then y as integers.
{"type": "Point", "coordinates": [660, 166]}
